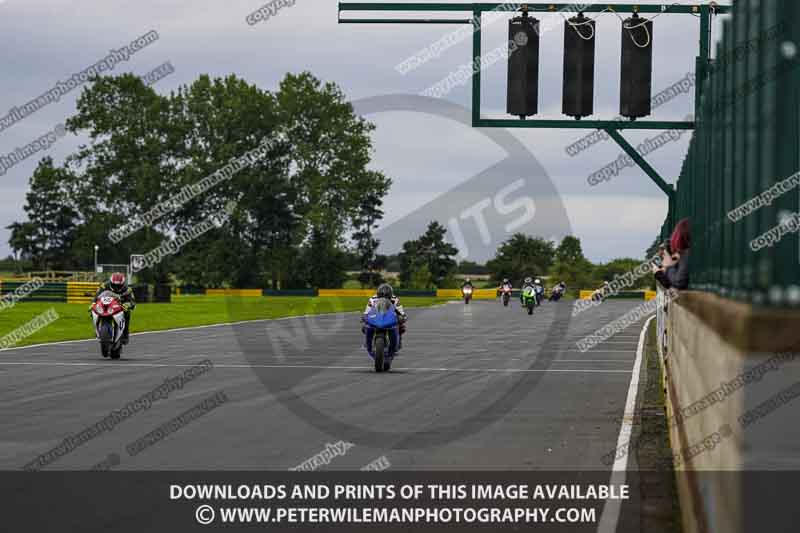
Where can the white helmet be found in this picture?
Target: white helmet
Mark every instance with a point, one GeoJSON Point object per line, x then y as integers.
{"type": "Point", "coordinates": [538, 281]}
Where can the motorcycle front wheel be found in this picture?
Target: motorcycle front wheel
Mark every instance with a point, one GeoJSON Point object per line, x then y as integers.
{"type": "Point", "coordinates": [380, 347]}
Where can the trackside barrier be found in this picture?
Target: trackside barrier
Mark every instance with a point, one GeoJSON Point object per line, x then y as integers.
{"type": "Point", "coordinates": [327, 293]}
{"type": "Point", "coordinates": [731, 374]}
{"type": "Point", "coordinates": [235, 292]}
{"type": "Point", "coordinates": [49, 292]}
{"type": "Point", "coordinates": [412, 292]}
{"type": "Point", "coordinates": [738, 184]}
{"type": "Point", "coordinates": [81, 292]}
{"type": "Point", "coordinates": [477, 294]}
{"type": "Point", "coordinates": [627, 295]}
{"type": "Point", "coordinates": [190, 290]}
{"type": "Point", "coordinates": [290, 292]}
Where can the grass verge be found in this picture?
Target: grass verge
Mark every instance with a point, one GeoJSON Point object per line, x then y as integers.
{"type": "Point", "coordinates": [184, 311]}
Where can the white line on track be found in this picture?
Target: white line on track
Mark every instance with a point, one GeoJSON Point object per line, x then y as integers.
{"type": "Point", "coordinates": [610, 517]}
{"type": "Point", "coordinates": [123, 363]}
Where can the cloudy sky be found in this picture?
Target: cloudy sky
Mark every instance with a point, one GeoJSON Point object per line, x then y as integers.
{"type": "Point", "coordinates": [427, 156]}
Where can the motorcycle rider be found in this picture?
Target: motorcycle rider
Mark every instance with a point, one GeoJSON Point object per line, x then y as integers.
{"type": "Point", "coordinates": [539, 289]}
{"type": "Point", "coordinates": [558, 291]}
{"type": "Point", "coordinates": [528, 282]}
{"type": "Point", "coordinates": [385, 291]}
{"type": "Point", "coordinates": [118, 284]}
{"type": "Point", "coordinates": [505, 285]}
{"type": "Point", "coordinates": [467, 283]}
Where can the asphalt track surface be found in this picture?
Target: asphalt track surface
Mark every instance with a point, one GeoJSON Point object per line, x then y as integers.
{"type": "Point", "coordinates": [477, 387]}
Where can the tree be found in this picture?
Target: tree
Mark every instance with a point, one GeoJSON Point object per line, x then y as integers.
{"type": "Point", "coordinates": [46, 237]}
{"type": "Point", "coordinates": [411, 262]}
{"type": "Point", "coordinates": [521, 256]}
{"type": "Point", "coordinates": [430, 256]}
{"type": "Point", "coordinates": [569, 251]}
{"type": "Point", "coordinates": [295, 205]}
{"type": "Point", "coordinates": [420, 278]}
{"type": "Point", "coordinates": [366, 245]}
{"type": "Point", "coordinates": [472, 268]}
{"type": "Point", "coordinates": [438, 254]}
{"type": "Point", "coordinates": [619, 267]}
{"type": "Point", "coordinates": [329, 149]}
{"type": "Point", "coordinates": [572, 267]}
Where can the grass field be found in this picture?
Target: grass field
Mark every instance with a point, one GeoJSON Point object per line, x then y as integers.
{"type": "Point", "coordinates": [184, 311]}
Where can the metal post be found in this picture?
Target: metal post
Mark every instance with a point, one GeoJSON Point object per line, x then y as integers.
{"type": "Point", "coordinates": [476, 66]}
{"type": "Point", "coordinates": [701, 67]}
{"type": "Point", "coordinates": [644, 165]}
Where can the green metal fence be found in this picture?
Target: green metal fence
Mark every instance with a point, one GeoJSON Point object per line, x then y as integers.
{"type": "Point", "coordinates": [745, 143]}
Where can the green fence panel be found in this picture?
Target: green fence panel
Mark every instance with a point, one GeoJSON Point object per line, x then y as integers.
{"type": "Point", "coordinates": [747, 140]}
{"type": "Point", "coordinates": [49, 292]}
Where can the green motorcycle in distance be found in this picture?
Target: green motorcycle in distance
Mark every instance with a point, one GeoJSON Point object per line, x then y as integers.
{"type": "Point", "coordinates": [529, 299]}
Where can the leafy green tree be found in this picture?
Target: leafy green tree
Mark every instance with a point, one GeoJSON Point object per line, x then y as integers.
{"type": "Point", "coordinates": [472, 268]}
{"type": "Point", "coordinates": [437, 253]}
{"type": "Point", "coordinates": [47, 236]}
{"type": "Point", "coordinates": [366, 245]}
{"type": "Point", "coordinates": [521, 256]}
{"type": "Point", "coordinates": [572, 267]}
{"type": "Point", "coordinates": [431, 256]}
{"type": "Point", "coordinates": [295, 206]}
{"type": "Point", "coordinates": [411, 261]}
{"type": "Point", "coordinates": [420, 278]}
{"type": "Point", "coordinates": [570, 250]}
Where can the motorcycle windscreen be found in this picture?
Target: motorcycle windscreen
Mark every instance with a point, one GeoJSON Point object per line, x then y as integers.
{"type": "Point", "coordinates": [106, 295]}
{"type": "Point", "coordinates": [382, 315]}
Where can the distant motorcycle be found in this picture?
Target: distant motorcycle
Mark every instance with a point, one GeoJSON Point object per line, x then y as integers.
{"type": "Point", "coordinates": [539, 292]}
{"type": "Point", "coordinates": [108, 317]}
{"type": "Point", "coordinates": [506, 295]}
{"type": "Point", "coordinates": [467, 293]}
{"type": "Point", "coordinates": [556, 294]}
{"type": "Point", "coordinates": [529, 299]}
{"type": "Point", "coordinates": [382, 329]}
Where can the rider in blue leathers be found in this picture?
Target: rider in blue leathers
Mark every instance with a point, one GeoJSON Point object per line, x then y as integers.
{"type": "Point", "coordinates": [385, 291]}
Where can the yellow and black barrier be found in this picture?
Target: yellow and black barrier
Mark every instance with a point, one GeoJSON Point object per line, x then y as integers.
{"type": "Point", "coordinates": [81, 292]}
{"type": "Point", "coordinates": [477, 294]}
{"type": "Point", "coordinates": [341, 293]}
{"type": "Point", "coordinates": [622, 295]}
{"type": "Point", "coordinates": [244, 293]}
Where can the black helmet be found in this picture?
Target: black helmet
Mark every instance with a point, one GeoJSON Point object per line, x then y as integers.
{"type": "Point", "coordinates": [385, 291]}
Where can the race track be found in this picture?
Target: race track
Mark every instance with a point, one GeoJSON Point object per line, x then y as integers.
{"type": "Point", "coordinates": [477, 387]}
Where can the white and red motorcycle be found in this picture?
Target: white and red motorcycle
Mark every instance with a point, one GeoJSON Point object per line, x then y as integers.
{"type": "Point", "coordinates": [108, 317]}
{"type": "Point", "coordinates": [466, 291]}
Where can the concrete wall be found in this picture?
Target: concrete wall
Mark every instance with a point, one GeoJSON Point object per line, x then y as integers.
{"type": "Point", "coordinates": [722, 360]}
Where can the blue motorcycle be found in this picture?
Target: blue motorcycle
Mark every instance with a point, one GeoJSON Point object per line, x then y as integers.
{"type": "Point", "coordinates": [539, 294]}
{"type": "Point", "coordinates": [382, 328]}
